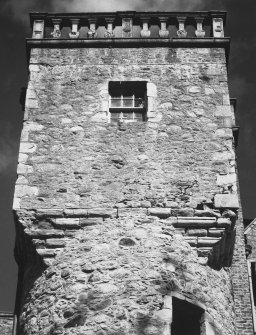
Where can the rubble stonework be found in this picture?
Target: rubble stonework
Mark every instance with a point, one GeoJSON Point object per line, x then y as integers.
{"type": "Point", "coordinates": [115, 220]}
{"type": "Point", "coordinates": [6, 323]}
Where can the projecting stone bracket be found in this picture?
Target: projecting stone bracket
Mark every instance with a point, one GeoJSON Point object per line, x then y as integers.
{"type": "Point", "coordinates": [213, 237]}
{"type": "Point", "coordinates": [211, 231]}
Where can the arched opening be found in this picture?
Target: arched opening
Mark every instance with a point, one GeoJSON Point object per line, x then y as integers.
{"type": "Point", "coordinates": [186, 318]}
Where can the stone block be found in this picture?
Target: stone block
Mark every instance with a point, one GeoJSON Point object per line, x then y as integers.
{"type": "Point", "coordinates": [207, 213]}
{"type": "Point", "coordinates": [151, 90]}
{"type": "Point", "coordinates": [67, 223]}
{"type": "Point", "coordinates": [16, 203]}
{"type": "Point", "coordinates": [24, 169]}
{"type": "Point", "coordinates": [22, 181]}
{"type": "Point", "coordinates": [226, 99]}
{"type": "Point", "coordinates": [55, 243]}
{"type": "Point", "coordinates": [192, 241]}
{"type": "Point", "coordinates": [216, 232]}
{"type": "Point", "coordinates": [226, 179]}
{"type": "Point", "coordinates": [45, 233]}
{"type": "Point", "coordinates": [183, 212]}
{"type": "Point", "coordinates": [197, 232]}
{"type": "Point", "coordinates": [100, 117]}
{"type": "Point", "coordinates": [196, 222]}
{"type": "Point", "coordinates": [223, 223]}
{"type": "Point", "coordinates": [168, 302]}
{"type": "Point", "coordinates": [160, 212]}
{"type": "Point", "coordinates": [46, 252]}
{"type": "Point", "coordinates": [225, 133]}
{"type": "Point", "coordinates": [226, 201]}
{"type": "Point", "coordinates": [22, 158]}
{"type": "Point", "coordinates": [194, 89]}
{"type": "Point", "coordinates": [25, 190]}
{"type": "Point", "coordinates": [31, 103]}
{"type": "Point", "coordinates": [27, 148]}
{"type": "Point", "coordinates": [223, 156]}
{"type": "Point", "coordinates": [227, 122]}
{"type": "Point", "coordinates": [224, 110]}
{"type": "Point", "coordinates": [164, 314]}
{"type": "Point", "coordinates": [207, 241]}
{"type": "Point", "coordinates": [49, 212]}
{"type": "Point", "coordinates": [34, 68]}
{"type": "Point", "coordinates": [102, 212]}
{"type": "Point", "coordinates": [124, 212]}
{"type": "Point", "coordinates": [77, 212]}
{"type": "Point", "coordinates": [90, 221]}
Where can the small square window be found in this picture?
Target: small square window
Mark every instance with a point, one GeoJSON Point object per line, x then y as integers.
{"type": "Point", "coordinates": [127, 101]}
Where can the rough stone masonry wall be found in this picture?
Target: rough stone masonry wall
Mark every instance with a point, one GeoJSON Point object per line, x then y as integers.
{"type": "Point", "coordinates": [6, 323]}
{"type": "Point", "coordinates": [107, 206]}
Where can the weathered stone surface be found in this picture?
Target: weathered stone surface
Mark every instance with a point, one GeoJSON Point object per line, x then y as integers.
{"type": "Point", "coordinates": [102, 212]}
{"type": "Point", "coordinates": [135, 268]}
{"type": "Point", "coordinates": [67, 223]}
{"type": "Point", "coordinates": [55, 243]}
{"type": "Point", "coordinates": [196, 222]}
{"type": "Point", "coordinates": [197, 232]}
{"type": "Point", "coordinates": [160, 212]}
{"type": "Point", "coordinates": [216, 232]}
{"type": "Point", "coordinates": [49, 212]}
{"type": "Point", "coordinates": [226, 201]}
{"type": "Point", "coordinates": [223, 222]}
{"type": "Point", "coordinates": [207, 241]}
{"type": "Point", "coordinates": [90, 221]}
{"type": "Point", "coordinates": [6, 323]}
{"type": "Point", "coordinates": [128, 201]}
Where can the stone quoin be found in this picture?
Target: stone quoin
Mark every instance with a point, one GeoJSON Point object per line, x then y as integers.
{"type": "Point", "coordinates": [126, 204]}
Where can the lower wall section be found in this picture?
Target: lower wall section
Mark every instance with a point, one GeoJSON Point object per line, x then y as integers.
{"type": "Point", "coordinates": [120, 277]}
{"type": "Point", "coordinates": [6, 323]}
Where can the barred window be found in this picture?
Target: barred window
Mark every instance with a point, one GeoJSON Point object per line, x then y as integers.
{"type": "Point", "coordinates": [127, 101]}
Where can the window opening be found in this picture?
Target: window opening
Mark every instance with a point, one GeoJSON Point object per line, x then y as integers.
{"type": "Point", "coordinates": [186, 318]}
{"type": "Point", "coordinates": [127, 101]}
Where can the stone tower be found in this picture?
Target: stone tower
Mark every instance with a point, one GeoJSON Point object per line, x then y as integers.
{"type": "Point", "coordinates": [126, 204]}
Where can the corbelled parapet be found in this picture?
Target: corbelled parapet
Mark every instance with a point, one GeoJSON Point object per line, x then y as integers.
{"type": "Point", "coordinates": [127, 204]}
{"type": "Point", "coordinates": [128, 27]}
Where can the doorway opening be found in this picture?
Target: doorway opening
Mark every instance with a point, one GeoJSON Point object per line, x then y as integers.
{"type": "Point", "coordinates": [186, 318]}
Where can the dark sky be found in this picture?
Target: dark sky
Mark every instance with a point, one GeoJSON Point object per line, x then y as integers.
{"type": "Point", "coordinates": [14, 27]}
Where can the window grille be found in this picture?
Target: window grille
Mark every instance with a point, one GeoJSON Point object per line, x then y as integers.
{"type": "Point", "coordinates": [127, 101]}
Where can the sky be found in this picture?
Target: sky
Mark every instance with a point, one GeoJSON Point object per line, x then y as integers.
{"type": "Point", "coordinates": [14, 28]}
